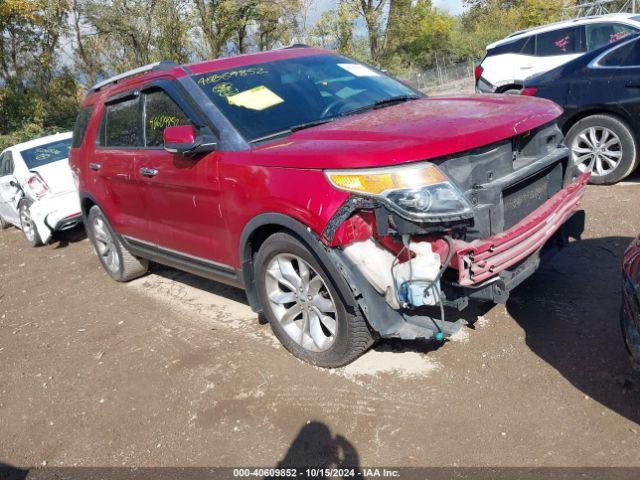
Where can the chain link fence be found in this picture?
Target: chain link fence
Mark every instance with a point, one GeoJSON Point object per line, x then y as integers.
{"type": "Point", "coordinates": [444, 77]}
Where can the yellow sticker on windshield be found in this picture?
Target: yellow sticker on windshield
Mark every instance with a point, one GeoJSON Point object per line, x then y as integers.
{"type": "Point", "coordinates": [257, 98]}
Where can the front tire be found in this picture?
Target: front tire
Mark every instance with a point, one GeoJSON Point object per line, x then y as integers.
{"type": "Point", "coordinates": [306, 307]}
{"type": "Point", "coordinates": [28, 226]}
{"type": "Point", "coordinates": [604, 145]}
{"type": "Point", "coordinates": [4, 224]}
{"type": "Point", "coordinates": [119, 263]}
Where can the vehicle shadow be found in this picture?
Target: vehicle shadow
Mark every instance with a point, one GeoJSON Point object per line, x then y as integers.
{"type": "Point", "coordinates": [66, 237]}
{"type": "Point", "coordinates": [9, 472]}
{"type": "Point", "coordinates": [569, 311]}
{"type": "Point", "coordinates": [316, 447]}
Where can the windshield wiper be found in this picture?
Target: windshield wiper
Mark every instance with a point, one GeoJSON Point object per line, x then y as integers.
{"type": "Point", "coordinates": [382, 103]}
{"type": "Point", "coordinates": [294, 128]}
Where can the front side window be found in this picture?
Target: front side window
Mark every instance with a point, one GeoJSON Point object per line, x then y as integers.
{"type": "Point", "coordinates": [48, 153]}
{"type": "Point", "coordinates": [160, 112]}
{"type": "Point", "coordinates": [6, 164]}
{"type": "Point", "coordinates": [120, 124]}
{"type": "Point", "coordinates": [565, 41]}
{"type": "Point", "coordinates": [267, 99]}
{"type": "Point", "coordinates": [600, 34]}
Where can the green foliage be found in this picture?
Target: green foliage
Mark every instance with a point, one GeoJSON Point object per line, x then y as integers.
{"type": "Point", "coordinates": [51, 50]}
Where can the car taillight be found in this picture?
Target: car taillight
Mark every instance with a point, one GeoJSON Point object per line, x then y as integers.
{"type": "Point", "coordinates": [37, 186]}
{"type": "Point", "coordinates": [529, 91]}
{"type": "Point", "coordinates": [477, 72]}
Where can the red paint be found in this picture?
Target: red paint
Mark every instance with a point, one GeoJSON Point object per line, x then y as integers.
{"type": "Point", "coordinates": [425, 129]}
{"type": "Point", "coordinates": [200, 206]}
{"type": "Point", "coordinates": [528, 91]}
{"type": "Point", "coordinates": [180, 134]}
{"type": "Point", "coordinates": [482, 259]}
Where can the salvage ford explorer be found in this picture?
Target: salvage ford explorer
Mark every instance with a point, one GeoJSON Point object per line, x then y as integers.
{"type": "Point", "coordinates": [346, 204]}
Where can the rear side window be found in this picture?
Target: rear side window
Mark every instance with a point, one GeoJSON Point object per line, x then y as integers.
{"type": "Point", "coordinates": [121, 125]}
{"type": "Point", "coordinates": [80, 128]}
{"type": "Point", "coordinates": [524, 46]}
{"type": "Point", "coordinates": [558, 42]}
{"type": "Point", "coordinates": [626, 55]}
{"type": "Point", "coordinates": [600, 34]}
{"type": "Point", "coordinates": [160, 112]}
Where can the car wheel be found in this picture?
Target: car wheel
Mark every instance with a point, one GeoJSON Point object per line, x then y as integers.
{"type": "Point", "coordinates": [631, 337]}
{"type": "Point", "coordinates": [605, 146]}
{"type": "Point", "coordinates": [28, 226]}
{"type": "Point", "coordinates": [119, 263]}
{"type": "Point", "coordinates": [512, 91]}
{"type": "Point", "coordinates": [305, 306]}
{"type": "Point", "coordinates": [4, 224]}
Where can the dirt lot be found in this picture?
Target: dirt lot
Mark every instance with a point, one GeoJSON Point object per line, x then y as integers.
{"type": "Point", "coordinates": [171, 370]}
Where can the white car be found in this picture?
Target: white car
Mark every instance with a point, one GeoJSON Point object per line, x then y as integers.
{"type": "Point", "coordinates": [37, 191]}
{"type": "Point", "coordinates": [526, 53]}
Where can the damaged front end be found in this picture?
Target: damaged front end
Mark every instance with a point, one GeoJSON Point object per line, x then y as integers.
{"type": "Point", "coordinates": [415, 240]}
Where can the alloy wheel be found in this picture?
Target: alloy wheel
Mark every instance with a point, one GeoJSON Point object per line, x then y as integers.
{"type": "Point", "coordinates": [301, 302]}
{"type": "Point", "coordinates": [28, 227]}
{"type": "Point", "coordinates": [105, 245]}
{"type": "Point", "coordinates": [596, 149]}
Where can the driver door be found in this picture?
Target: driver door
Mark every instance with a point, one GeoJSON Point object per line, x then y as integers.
{"type": "Point", "coordinates": [8, 193]}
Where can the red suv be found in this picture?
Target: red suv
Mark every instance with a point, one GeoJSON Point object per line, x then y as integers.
{"type": "Point", "coordinates": [346, 204]}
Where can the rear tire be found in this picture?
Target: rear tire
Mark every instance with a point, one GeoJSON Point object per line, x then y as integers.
{"type": "Point", "coordinates": [119, 263]}
{"type": "Point", "coordinates": [305, 305]}
{"type": "Point", "coordinates": [4, 224]}
{"type": "Point", "coordinates": [28, 226]}
{"type": "Point", "coordinates": [605, 145]}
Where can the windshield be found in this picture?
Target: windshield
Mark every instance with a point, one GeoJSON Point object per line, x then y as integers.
{"type": "Point", "coordinates": [266, 99]}
{"type": "Point", "coordinates": [47, 153]}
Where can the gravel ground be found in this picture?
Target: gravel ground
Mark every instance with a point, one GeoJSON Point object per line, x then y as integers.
{"type": "Point", "coordinates": [171, 370]}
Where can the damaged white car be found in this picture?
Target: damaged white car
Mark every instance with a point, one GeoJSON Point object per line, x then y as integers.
{"type": "Point", "coordinates": [37, 191]}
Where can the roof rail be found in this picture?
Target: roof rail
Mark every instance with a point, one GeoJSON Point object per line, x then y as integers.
{"type": "Point", "coordinates": [297, 45]}
{"type": "Point", "coordinates": [136, 71]}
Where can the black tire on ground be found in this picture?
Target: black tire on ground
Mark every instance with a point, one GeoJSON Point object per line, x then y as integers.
{"type": "Point", "coordinates": [4, 224]}
{"type": "Point", "coordinates": [512, 91]}
{"type": "Point", "coordinates": [352, 335]}
{"type": "Point", "coordinates": [125, 266]}
{"type": "Point", "coordinates": [631, 338]}
{"type": "Point", "coordinates": [628, 145]}
{"type": "Point", "coordinates": [28, 227]}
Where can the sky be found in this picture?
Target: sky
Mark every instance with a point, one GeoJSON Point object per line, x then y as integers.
{"type": "Point", "coordinates": [452, 6]}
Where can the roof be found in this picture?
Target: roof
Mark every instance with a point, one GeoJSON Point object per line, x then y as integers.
{"type": "Point", "coordinates": [620, 17]}
{"type": "Point", "coordinates": [126, 80]}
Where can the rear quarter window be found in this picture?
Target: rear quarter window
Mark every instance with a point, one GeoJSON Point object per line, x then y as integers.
{"type": "Point", "coordinates": [524, 46]}
{"type": "Point", "coordinates": [80, 128]}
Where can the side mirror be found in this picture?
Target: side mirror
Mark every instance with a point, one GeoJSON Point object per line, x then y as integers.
{"type": "Point", "coordinates": [183, 140]}
{"type": "Point", "coordinates": [13, 183]}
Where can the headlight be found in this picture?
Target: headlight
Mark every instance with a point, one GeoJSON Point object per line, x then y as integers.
{"type": "Point", "coordinates": [416, 191]}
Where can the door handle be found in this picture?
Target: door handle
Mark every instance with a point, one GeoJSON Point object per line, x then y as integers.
{"type": "Point", "coordinates": [148, 172]}
{"type": "Point", "coordinates": [526, 67]}
{"type": "Point", "coordinates": [95, 166]}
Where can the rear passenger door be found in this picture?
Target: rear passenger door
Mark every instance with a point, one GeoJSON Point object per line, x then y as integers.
{"type": "Point", "coordinates": [182, 193]}
{"type": "Point", "coordinates": [624, 62]}
{"type": "Point", "coordinates": [555, 48]}
{"type": "Point", "coordinates": [111, 168]}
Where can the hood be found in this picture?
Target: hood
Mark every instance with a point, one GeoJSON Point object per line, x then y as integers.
{"type": "Point", "coordinates": [57, 176]}
{"type": "Point", "coordinates": [422, 129]}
